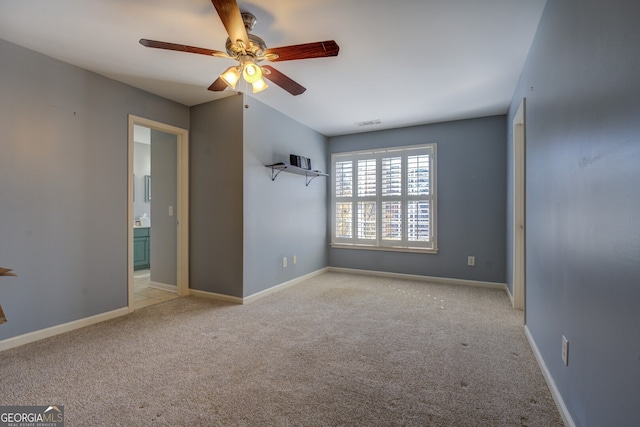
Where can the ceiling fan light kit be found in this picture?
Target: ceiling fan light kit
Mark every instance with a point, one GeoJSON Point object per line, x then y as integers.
{"type": "Point", "coordinates": [259, 86]}
{"type": "Point", "coordinates": [249, 50]}
{"type": "Point", "coordinates": [231, 76]}
{"type": "Point", "coordinates": [251, 72]}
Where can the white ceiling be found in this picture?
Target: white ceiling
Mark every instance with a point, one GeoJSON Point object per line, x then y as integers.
{"type": "Point", "coordinates": [403, 62]}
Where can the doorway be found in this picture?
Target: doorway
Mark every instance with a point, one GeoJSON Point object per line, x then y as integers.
{"type": "Point", "coordinates": [519, 198]}
{"type": "Point", "coordinates": [166, 243]}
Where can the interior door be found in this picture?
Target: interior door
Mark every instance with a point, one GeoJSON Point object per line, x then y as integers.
{"type": "Point", "coordinates": [174, 211]}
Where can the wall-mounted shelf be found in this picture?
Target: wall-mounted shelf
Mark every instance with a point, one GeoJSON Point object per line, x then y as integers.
{"type": "Point", "coordinates": [309, 175]}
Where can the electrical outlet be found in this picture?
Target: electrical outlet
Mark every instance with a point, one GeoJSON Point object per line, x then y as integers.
{"type": "Point", "coordinates": [284, 262]}
{"type": "Point", "coordinates": [565, 350]}
{"type": "Point", "coordinates": [295, 259]}
{"type": "Point", "coordinates": [471, 260]}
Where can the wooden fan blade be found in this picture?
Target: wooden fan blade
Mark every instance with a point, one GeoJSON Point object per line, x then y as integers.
{"type": "Point", "coordinates": [231, 18]}
{"type": "Point", "coordinates": [218, 86]}
{"type": "Point", "coordinates": [303, 51]}
{"type": "Point", "coordinates": [283, 81]}
{"type": "Point", "coordinates": [182, 48]}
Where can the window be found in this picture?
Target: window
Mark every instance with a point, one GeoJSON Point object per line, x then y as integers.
{"type": "Point", "coordinates": [385, 199]}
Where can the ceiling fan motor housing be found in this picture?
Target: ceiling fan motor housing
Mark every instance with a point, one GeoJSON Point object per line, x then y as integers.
{"type": "Point", "coordinates": [249, 20]}
{"type": "Point", "coordinates": [256, 48]}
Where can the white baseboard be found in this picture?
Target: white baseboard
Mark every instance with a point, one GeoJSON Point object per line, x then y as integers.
{"type": "Point", "coordinates": [443, 280]}
{"type": "Point", "coordinates": [513, 304]}
{"type": "Point", "coordinates": [215, 296]}
{"type": "Point", "coordinates": [557, 397]}
{"type": "Point", "coordinates": [257, 295]}
{"type": "Point", "coordinates": [163, 286]}
{"type": "Point", "coordinates": [60, 329]}
{"type": "Point", "coordinates": [281, 286]}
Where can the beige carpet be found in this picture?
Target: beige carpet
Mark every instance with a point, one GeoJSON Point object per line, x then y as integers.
{"type": "Point", "coordinates": [337, 349]}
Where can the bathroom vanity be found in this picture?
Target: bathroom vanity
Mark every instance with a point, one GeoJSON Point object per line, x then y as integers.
{"type": "Point", "coordinates": [141, 248]}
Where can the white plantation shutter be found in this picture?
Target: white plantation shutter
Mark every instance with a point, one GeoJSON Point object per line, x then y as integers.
{"type": "Point", "coordinates": [418, 221]}
{"type": "Point", "coordinates": [391, 215]}
{"type": "Point", "coordinates": [385, 198]}
{"type": "Point", "coordinates": [392, 176]}
{"type": "Point", "coordinates": [366, 177]}
{"type": "Point", "coordinates": [418, 172]}
{"type": "Point", "coordinates": [366, 220]}
{"type": "Point", "coordinates": [343, 173]}
{"type": "Point", "coordinates": [367, 189]}
{"type": "Point", "coordinates": [344, 178]}
{"type": "Point", "coordinates": [392, 221]}
{"type": "Point", "coordinates": [418, 175]}
{"type": "Point", "coordinates": [344, 220]}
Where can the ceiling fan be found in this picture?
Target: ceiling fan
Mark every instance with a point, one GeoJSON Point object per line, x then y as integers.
{"type": "Point", "coordinates": [249, 49]}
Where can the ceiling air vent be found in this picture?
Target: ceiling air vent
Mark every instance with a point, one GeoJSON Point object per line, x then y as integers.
{"type": "Point", "coordinates": [369, 122]}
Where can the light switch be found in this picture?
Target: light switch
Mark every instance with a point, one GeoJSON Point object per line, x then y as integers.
{"type": "Point", "coordinates": [170, 210]}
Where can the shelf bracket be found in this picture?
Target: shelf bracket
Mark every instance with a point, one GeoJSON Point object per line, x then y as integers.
{"type": "Point", "coordinates": [310, 178]}
{"type": "Point", "coordinates": [308, 174]}
{"type": "Point", "coordinates": [275, 171]}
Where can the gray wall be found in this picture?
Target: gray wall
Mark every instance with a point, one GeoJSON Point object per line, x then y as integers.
{"type": "Point", "coordinates": [282, 218]}
{"type": "Point", "coordinates": [471, 200]}
{"type": "Point", "coordinates": [243, 224]}
{"type": "Point", "coordinates": [583, 204]}
{"type": "Point", "coordinates": [164, 193]}
{"type": "Point", "coordinates": [63, 191]}
{"type": "Point", "coordinates": [216, 205]}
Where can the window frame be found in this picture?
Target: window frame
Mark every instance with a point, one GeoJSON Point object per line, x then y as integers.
{"type": "Point", "coordinates": [379, 243]}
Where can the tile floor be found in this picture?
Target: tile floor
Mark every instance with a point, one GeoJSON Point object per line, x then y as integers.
{"type": "Point", "coordinates": [144, 295]}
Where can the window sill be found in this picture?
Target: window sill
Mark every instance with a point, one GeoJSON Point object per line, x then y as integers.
{"type": "Point", "coordinates": [384, 248]}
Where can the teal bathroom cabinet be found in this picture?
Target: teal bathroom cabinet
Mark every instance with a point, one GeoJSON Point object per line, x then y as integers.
{"type": "Point", "coordinates": [141, 248]}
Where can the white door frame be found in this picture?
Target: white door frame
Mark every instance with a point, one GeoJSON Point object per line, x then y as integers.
{"type": "Point", "coordinates": [182, 261]}
{"type": "Point", "coordinates": [519, 188]}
